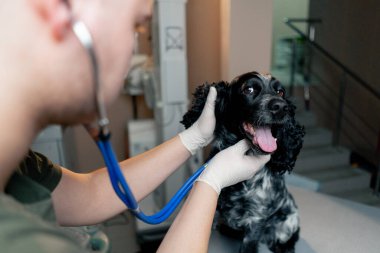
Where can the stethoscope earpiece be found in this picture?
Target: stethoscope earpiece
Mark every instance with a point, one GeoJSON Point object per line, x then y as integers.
{"type": "Point", "coordinates": [84, 36]}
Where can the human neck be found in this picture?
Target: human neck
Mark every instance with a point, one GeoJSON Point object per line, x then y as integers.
{"type": "Point", "coordinates": [19, 125]}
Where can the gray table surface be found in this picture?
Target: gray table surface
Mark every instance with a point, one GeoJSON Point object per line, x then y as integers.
{"type": "Point", "coordinates": [328, 225]}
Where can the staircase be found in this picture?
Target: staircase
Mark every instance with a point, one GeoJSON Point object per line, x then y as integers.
{"type": "Point", "coordinates": [325, 168]}
{"type": "Point", "coordinates": [321, 166]}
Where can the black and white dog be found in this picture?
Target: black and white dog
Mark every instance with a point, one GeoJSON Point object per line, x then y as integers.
{"type": "Point", "coordinates": [255, 107]}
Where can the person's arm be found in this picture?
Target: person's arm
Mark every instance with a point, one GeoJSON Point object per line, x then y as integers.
{"type": "Point", "coordinates": [190, 231]}
{"type": "Point", "coordinates": [89, 198]}
{"type": "Point", "coordinates": [81, 199]}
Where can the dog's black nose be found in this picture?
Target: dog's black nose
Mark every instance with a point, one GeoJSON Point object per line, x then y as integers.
{"type": "Point", "coordinates": [278, 107]}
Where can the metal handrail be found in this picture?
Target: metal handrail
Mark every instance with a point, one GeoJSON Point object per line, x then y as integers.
{"type": "Point", "coordinates": [347, 71]}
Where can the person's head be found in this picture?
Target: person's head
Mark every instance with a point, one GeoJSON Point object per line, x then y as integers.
{"type": "Point", "coordinates": [52, 67]}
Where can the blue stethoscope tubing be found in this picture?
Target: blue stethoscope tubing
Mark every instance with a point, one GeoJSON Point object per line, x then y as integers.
{"type": "Point", "coordinates": [102, 139]}
{"type": "Point", "coordinates": [123, 191]}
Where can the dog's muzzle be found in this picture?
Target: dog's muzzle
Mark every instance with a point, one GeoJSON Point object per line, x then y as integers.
{"type": "Point", "coordinates": [261, 137]}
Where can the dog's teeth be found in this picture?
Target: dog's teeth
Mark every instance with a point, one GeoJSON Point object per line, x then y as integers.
{"type": "Point", "coordinates": [275, 139]}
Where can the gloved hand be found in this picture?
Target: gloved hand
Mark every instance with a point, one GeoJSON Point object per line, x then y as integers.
{"type": "Point", "coordinates": [201, 132]}
{"type": "Point", "coordinates": [231, 166]}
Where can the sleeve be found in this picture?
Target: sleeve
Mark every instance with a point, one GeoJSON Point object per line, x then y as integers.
{"type": "Point", "coordinates": [23, 231]}
{"type": "Point", "coordinates": [40, 169]}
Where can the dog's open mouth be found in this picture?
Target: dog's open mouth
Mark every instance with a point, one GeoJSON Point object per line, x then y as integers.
{"type": "Point", "coordinates": [261, 137]}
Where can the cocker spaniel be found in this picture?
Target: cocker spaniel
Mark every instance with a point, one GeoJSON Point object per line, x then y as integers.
{"type": "Point", "coordinates": [259, 210]}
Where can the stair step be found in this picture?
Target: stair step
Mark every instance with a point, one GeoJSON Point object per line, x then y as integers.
{"type": "Point", "coordinates": [321, 157]}
{"type": "Point", "coordinates": [364, 196]}
{"type": "Point", "coordinates": [316, 137]}
{"type": "Point", "coordinates": [331, 174]}
{"type": "Point", "coordinates": [339, 179]}
{"type": "Point", "coordinates": [301, 181]}
{"type": "Point", "coordinates": [306, 119]}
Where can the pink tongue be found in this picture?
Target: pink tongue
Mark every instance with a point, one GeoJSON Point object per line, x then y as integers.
{"type": "Point", "coordinates": [264, 138]}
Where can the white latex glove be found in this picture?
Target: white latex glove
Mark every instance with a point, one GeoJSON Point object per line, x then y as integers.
{"type": "Point", "coordinates": [201, 132]}
{"type": "Point", "coordinates": [231, 166]}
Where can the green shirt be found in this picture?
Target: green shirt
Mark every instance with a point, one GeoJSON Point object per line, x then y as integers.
{"type": "Point", "coordinates": [27, 219]}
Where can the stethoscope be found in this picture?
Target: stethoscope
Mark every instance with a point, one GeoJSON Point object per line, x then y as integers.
{"type": "Point", "coordinates": [101, 135]}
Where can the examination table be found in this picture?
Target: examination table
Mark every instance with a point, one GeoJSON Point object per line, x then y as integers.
{"type": "Point", "coordinates": [328, 225]}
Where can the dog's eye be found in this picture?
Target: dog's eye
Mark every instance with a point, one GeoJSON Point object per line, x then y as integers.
{"type": "Point", "coordinates": [280, 92]}
{"type": "Point", "coordinates": [248, 90]}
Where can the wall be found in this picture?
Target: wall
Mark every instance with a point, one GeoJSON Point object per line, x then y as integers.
{"type": "Point", "coordinates": [226, 38]}
{"type": "Point", "coordinates": [203, 41]}
{"type": "Point", "coordinates": [350, 31]}
{"type": "Point", "coordinates": [246, 36]}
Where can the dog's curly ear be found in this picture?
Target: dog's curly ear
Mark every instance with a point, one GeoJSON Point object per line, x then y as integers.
{"type": "Point", "coordinates": [289, 144]}
{"type": "Point", "coordinates": [199, 100]}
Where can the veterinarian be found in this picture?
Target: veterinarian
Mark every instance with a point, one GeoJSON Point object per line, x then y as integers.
{"type": "Point", "coordinates": [46, 78]}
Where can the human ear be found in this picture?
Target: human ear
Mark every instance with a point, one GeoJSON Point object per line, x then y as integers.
{"type": "Point", "coordinates": [56, 14]}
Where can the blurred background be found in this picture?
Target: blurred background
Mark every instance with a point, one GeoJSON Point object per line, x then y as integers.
{"type": "Point", "coordinates": [325, 53]}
